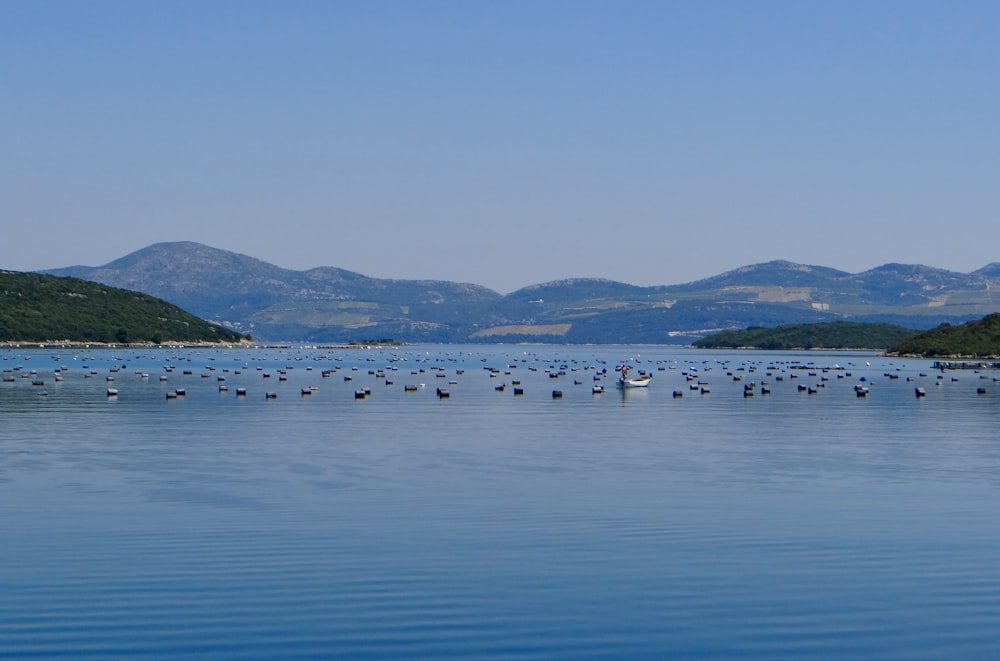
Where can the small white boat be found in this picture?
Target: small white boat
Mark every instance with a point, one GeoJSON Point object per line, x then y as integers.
{"type": "Point", "coordinates": [634, 382]}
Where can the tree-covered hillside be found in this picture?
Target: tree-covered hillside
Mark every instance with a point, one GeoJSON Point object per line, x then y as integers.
{"type": "Point", "coordinates": [834, 335]}
{"type": "Point", "coordinates": [45, 308]}
{"type": "Point", "coordinates": [975, 338]}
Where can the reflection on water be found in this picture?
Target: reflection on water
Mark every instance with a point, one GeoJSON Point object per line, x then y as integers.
{"type": "Point", "coordinates": [685, 519]}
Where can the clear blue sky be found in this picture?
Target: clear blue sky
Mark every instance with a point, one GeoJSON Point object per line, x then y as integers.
{"type": "Point", "coordinates": [503, 143]}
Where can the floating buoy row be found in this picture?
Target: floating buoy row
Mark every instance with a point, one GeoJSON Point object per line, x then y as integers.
{"type": "Point", "coordinates": [818, 375]}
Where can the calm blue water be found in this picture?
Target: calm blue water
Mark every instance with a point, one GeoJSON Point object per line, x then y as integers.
{"type": "Point", "coordinates": [489, 525]}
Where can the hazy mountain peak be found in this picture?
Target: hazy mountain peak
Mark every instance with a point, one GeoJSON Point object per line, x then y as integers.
{"type": "Point", "coordinates": [776, 273]}
{"type": "Point", "coordinates": [991, 270]}
{"type": "Point", "coordinates": [183, 254]}
{"type": "Point", "coordinates": [570, 282]}
{"type": "Point", "coordinates": [915, 269]}
{"type": "Point", "coordinates": [779, 264]}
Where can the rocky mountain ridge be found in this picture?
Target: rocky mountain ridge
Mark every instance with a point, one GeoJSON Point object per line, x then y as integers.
{"type": "Point", "coordinates": [328, 304]}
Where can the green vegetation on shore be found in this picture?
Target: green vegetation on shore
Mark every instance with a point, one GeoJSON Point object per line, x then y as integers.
{"type": "Point", "coordinates": [832, 335]}
{"type": "Point", "coordinates": [387, 342]}
{"type": "Point", "coordinates": [45, 308]}
{"type": "Point", "coordinates": [979, 338]}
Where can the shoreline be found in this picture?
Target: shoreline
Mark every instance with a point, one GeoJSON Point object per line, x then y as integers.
{"type": "Point", "coordinates": [179, 345]}
{"type": "Point", "coordinates": [66, 344]}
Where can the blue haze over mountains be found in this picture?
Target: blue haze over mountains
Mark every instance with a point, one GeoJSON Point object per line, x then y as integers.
{"type": "Point", "coordinates": [328, 304]}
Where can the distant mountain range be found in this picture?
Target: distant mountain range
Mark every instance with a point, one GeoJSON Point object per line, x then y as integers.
{"type": "Point", "coordinates": [329, 304]}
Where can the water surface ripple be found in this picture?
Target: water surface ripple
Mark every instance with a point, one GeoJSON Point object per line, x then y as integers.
{"type": "Point", "coordinates": [493, 525]}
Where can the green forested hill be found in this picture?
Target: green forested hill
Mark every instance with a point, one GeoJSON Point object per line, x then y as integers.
{"type": "Point", "coordinates": [975, 338]}
{"type": "Point", "coordinates": [834, 335]}
{"type": "Point", "coordinates": [45, 308]}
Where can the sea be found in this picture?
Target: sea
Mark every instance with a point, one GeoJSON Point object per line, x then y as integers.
{"type": "Point", "coordinates": [489, 502]}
